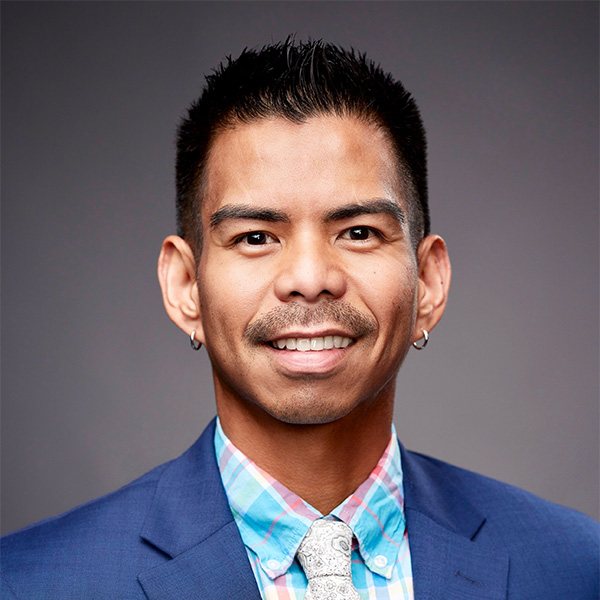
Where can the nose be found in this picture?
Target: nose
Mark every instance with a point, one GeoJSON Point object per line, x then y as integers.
{"type": "Point", "coordinates": [310, 270]}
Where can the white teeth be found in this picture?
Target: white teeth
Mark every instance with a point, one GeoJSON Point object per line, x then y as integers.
{"type": "Point", "coordinates": [303, 344]}
{"type": "Point", "coordinates": [314, 344]}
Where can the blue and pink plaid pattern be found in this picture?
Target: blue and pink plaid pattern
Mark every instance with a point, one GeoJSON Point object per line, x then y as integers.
{"type": "Point", "coordinates": [273, 520]}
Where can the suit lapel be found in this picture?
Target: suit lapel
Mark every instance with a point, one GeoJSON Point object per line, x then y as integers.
{"type": "Point", "coordinates": [450, 566]}
{"type": "Point", "coordinates": [191, 523]}
{"type": "Point", "coordinates": [450, 556]}
{"type": "Point", "coordinates": [186, 577]}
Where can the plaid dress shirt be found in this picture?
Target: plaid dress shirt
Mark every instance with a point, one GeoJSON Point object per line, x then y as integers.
{"type": "Point", "coordinates": [273, 520]}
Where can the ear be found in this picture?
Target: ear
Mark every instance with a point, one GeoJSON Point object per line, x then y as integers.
{"type": "Point", "coordinates": [177, 278]}
{"type": "Point", "coordinates": [434, 282]}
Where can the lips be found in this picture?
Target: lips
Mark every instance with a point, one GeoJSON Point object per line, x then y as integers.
{"type": "Point", "coordinates": [302, 361]}
{"type": "Point", "coordinates": [312, 344]}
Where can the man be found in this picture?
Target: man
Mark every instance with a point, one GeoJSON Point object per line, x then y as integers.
{"type": "Point", "coordinates": [305, 266]}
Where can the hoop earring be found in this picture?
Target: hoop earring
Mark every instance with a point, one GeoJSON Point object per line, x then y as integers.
{"type": "Point", "coordinates": [194, 343]}
{"type": "Point", "coordinates": [425, 340]}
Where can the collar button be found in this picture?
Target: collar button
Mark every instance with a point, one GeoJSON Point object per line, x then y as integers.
{"type": "Point", "coordinates": [380, 561]}
{"type": "Point", "coordinates": [274, 565]}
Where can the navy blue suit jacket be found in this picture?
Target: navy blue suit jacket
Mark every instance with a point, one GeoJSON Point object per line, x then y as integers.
{"type": "Point", "coordinates": [171, 536]}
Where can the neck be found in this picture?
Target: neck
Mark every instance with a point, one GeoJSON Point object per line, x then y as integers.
{"type": "Point", "coordinates": [323, 464]}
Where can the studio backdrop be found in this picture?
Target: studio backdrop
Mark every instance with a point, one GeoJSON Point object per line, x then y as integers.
{"type": "Point", "coordinates": [99, 386]}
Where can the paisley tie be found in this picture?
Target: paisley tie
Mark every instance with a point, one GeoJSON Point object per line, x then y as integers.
{"type": "Point", "coordinates": [324, 554]}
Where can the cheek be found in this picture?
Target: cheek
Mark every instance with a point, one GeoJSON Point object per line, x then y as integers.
{"type": "Point", "coordinates": [230, 295]}
{"type": "Point", "coordinates": [392, 299]}
{"type": "Point", "coordinates": [392, 285]}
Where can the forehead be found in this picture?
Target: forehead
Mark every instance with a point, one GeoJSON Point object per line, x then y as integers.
{"type": "Point", "coordinates": [309, 164]}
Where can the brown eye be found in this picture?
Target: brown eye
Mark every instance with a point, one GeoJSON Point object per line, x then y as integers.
{"type": "Point", "coordinates": [256, 238]}
{"type": "Point", "coordinates": [359, 233]}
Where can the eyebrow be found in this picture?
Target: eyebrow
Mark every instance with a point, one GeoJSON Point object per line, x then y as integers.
{"type": "Point", "coordinates": [369, 207]}
{"type": "Point", "coordinates": [245, 211]}
{"type": "Point", "coordinates": [270, 215]}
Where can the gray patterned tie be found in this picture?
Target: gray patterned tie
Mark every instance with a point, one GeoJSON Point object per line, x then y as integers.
{"type": "Point", "coordinates": [324, 554]}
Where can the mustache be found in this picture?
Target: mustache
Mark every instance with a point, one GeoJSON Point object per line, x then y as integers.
{"type": "Point", "coordinates": [268, 326]}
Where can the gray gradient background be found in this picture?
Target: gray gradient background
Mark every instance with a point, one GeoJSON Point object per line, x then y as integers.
{"type": "Point", "coordinates": [99, 386]}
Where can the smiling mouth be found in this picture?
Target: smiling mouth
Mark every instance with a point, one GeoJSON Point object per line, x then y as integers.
{"type": "Point", "coordinates": [312, 344]}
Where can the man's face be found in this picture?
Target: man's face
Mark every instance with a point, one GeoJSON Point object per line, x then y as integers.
{"type": "Point", "coordinates": [307, 280]}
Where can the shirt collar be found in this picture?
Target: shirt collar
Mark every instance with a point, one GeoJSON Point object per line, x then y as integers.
{"type": "Point", "coordinates": [273, 520]}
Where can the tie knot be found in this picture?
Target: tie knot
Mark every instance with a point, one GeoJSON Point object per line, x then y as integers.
{"type": "Point", "coordinates": [325, 549]}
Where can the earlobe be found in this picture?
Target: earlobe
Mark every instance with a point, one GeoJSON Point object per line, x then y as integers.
{"type": "Point", "coordinates": [434, 282]}
{"type": "Point", "coordinates": [177, 278]}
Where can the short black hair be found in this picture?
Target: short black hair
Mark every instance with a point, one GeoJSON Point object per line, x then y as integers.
{"type": "Point", "coordinates": [296, 81]}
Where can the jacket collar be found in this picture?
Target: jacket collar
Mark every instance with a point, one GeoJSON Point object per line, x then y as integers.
{"type": "Point", "coordinates": [451, 553]}
{"type": "Point", "coordinates": [190, 521]}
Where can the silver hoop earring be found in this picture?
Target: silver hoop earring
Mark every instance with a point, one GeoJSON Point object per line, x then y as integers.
{"type": "Point", "coordinates": [425, 340]}
{"type": "Point", "coordinates": [194, 343]}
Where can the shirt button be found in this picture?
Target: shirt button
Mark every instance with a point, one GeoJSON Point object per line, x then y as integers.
{"type": "Point", "coordinates": [380, 561]}
{"type": "Point", "coordinates": [273, 564]}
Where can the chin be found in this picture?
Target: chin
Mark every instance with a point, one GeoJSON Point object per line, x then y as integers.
{"type": "Point", "coordinates": [307, 408]}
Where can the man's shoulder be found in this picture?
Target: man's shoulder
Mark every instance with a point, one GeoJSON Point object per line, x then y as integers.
{"type": "Point", "coordinates": [494, 494]}
{"type": "Point", "coordinates": [101, 547]}
{"type": "Point", "coordinates": [107, 513]}
{"type": "Point", "coordinates": [103, 534]}
{"type": "Point", "coordinates": [514, 516]}
{"type": "Point", "coordinates": [480, 527]}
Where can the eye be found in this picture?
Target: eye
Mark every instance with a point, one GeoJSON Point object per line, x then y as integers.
{"type": "Point", "coordinates": [360, 233]}
{"type": "Point", "coordinates": [255, 238]}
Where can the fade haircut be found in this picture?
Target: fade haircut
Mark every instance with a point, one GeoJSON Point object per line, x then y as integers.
{"type": "Point", "coordinates": [297, 81]}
